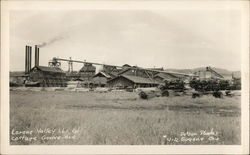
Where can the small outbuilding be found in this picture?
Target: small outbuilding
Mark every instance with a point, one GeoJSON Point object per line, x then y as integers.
{"type": "Point", "coordinates": [130, 81]}
{"type": "Point", "coordinates": [101, 78]}
{"type": "Point", "coordinates": [46, 77]}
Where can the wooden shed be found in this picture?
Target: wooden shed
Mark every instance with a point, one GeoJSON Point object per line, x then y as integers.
{"type": "Point", "coordinates": [130, 81]}
{"type": "Point", "coordinates": [46, 77]}
{"type": "Point", "coordinates": [101, 78]}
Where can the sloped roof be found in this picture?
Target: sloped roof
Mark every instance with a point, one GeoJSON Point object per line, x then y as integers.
{"type": "Point", "coordinates": [137, 79]}
{"type": "Point", "coordinates": [49, 69]}
{"type": "Point", "coordinates": [177, 74]}
{"type": "Point", "coordinates": [166, 75]}
{"type": "Point", "coordinates": [104, 74]}
{"type": "Point", "coordinates": [125, 70]}
{"type": "Point", "coordinates": [126, 65]}
{"type": "Point", "coordinates": [113, 74]}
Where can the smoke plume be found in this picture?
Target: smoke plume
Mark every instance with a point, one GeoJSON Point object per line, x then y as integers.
{"type": "Point", "coordinates": [50, 41]}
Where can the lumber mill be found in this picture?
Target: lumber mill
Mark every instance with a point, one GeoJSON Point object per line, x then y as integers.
{"type": "Point", "coordinates": [146, 81]}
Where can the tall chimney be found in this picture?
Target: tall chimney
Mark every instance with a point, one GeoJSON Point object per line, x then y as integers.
{"type": "Point", "coordinates": [26, 59]}
{"type": "Point", "coordinates": [36, 56]}
{"type": "Point", "coordinates": [30, 56]}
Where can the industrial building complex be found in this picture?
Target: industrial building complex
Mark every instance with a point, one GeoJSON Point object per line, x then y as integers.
{"type": "Point", "coordinates": [125, 76]}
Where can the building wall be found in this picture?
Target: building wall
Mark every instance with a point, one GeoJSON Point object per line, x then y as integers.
{"type": "Point", "coordinates": [100, 81]}
{"type": "Point", "coordinates": [124, 83]}
{"type": "Point", "coordinates": [120, 82]}
{"type": "Point", "coordinates": [48, 78]}
{"type": "Point", "coordinates": [36, 75]}
{"type": "Point", "coordinates": [166, 77]}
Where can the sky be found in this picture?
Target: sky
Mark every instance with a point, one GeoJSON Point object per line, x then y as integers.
{"type": "Point", "coordinates": [181, 39]}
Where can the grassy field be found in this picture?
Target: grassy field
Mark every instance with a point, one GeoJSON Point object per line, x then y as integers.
{"type": "Point", "coordinates": [121, 118]}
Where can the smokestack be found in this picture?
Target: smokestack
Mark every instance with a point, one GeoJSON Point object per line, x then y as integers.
{"type": "Point", "coordinates": [26, 59]}
{"type": "Point", "coordinates": [30, 56]}
{"type": "Point", "coordinates": [36, 56]}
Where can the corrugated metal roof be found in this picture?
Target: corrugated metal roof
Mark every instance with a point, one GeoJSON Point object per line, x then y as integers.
{"type": "Point", "coordinates": [177, 74]}
{"type": "Point", "coordinates": [104, 74]}
{"type": "Point", "coordinates": [49, 69]}
{"type": "Point", "coordinates": [138, 79]}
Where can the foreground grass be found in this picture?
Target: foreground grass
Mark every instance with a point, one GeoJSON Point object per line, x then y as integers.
{"type": "Point", "coordinates": [121, 118]}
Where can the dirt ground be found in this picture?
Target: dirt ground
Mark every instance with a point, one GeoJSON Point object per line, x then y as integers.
{"type": "Point", "coordinates": [121, 118]}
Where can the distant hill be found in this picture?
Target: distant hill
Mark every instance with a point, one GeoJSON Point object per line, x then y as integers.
{"type": "Point", "coordinates": [225, 73]}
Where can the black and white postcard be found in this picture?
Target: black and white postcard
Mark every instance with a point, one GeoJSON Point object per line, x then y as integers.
{"type": "Point", "coordinates": [124, 77]}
